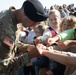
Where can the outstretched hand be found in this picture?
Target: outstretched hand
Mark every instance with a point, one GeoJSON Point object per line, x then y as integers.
{"type": "Point", "coordinates": [41, 48]}
{"type": "Point", "coordinates": [33, 52]}
{"type": "Point", "coordinates": [49, 41]}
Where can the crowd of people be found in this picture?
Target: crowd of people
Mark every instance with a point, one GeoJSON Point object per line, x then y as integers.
{"type": "Point", "coordinates": [30, 46]}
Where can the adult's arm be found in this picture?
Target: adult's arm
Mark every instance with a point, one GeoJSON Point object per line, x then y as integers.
{"type": "Point", "coordinates": [66, 58]}
{"type": "Point", "coordinates": [61, 57]}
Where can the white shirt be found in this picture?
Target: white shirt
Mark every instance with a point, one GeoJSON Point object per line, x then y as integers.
{"type": "Point", "coordinates": [30, 37]}
{"type": "Point", "coordinates": [47, 34]}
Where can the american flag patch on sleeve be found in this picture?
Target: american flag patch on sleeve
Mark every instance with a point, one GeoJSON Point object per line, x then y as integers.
{"type": "Point", "coordinates": [7, 41]}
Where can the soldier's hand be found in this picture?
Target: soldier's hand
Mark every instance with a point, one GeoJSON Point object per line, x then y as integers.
{"type": "Point", "coordinates": [33, 52]}
{"type": "Point", "coordinates": [30, 47]}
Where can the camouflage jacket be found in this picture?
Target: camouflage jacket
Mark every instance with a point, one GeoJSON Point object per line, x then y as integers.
{"type": "Point", "coordinates": [7, 37]}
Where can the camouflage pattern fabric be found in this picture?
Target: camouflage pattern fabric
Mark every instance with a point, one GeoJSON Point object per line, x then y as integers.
{"type": "Point", "coordinates": [8, 62]}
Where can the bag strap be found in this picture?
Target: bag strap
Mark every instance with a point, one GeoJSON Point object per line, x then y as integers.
{"type": "Point", "coordinates": [52, 31]}
{"type": "Point", "coordinates": [26, 32]}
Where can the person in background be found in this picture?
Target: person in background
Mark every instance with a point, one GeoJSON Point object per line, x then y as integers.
{"type": "Point", "coordinates": [66, 10]}
{"type": "Point", "coordinates": [62, 12]}
{"type": "Point", "coordinates": [52, 8]}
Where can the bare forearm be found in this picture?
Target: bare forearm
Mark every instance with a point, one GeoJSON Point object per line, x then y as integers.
{"type": "Point", "coordinates": [56, 38]}
{"type": "Point", "coordinates": [72, 43]}
{"type": "Point", "coordinates": [60, 57]}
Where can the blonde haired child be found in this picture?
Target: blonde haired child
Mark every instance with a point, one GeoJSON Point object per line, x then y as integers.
{"type": "Point", "coordinates": [54, 24]}
{"type": "Point", "coordinates": [55, 19]}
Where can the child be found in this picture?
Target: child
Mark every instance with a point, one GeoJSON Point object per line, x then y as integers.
{"type": "Point", "coordinates": [51, 31]}
{"type": "Point", "coordinates": [54, 24]}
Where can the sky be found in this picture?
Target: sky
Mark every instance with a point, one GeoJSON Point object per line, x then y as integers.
{"type": "Point", "coordinates": [5, 4]}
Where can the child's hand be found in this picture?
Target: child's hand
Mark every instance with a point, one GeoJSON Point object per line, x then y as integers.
{"type": "Point", "coordinates": [36, 41]}
{"type": "Point", "coordinates": [49, 41]}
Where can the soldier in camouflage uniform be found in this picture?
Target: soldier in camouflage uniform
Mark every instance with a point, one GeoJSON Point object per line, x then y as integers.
{"type": "Point", "coordinates": [8, 46]}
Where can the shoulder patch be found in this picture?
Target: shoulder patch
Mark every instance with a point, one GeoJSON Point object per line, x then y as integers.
{"type": "Point", "coordinates": [7, 41]}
